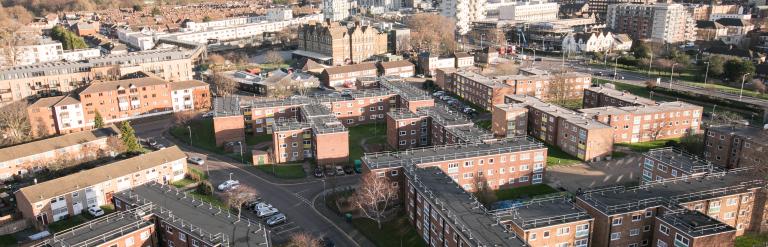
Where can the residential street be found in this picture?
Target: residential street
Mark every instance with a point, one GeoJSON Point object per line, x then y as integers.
{"type": "Point", "coordinates": [294, 198]}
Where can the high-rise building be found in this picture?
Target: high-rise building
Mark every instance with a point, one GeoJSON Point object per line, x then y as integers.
{"type": "Point", "coordinates": [670, 23]}
{"type": "Point", "coordinates": [599, 8]}
{"type": "Point", "coordinates": [336, 10]}
{"type": "Point", "coordinates": [540, 10]}
{"type": "Point", "coordinates": [464, 12]}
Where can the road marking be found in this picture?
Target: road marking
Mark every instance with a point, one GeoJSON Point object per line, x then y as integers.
{"type": "Point", "coordinates": [287, 230]}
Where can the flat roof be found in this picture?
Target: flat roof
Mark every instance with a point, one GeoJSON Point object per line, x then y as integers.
{"type": "Point", "coordinates": [449, 152]}
{"type": "Point", "coordinates": [621, 95]}
{"type": "Point", "coordinates": [694, 223]}
{"type": "Point", "coordinates": [758, 135]}
{"type": "Point", "coordinates": [54, 143]}
{"type": "Point", "coordinates": [208, 222]}
{"type": "Point", "coordinates": [404, 89]}
{"type": "Point", "coordinates": [100, 230]}
{"type": "Point", "coordinates": [444, 115]}
{"type": "Point", "coordinates": [465, 214]}
{"type": "Point", "coordinates": [576, 118]}
{"type": "Point", "coordinates": [680, 159]}
{"type": "Point", "coordinates": [543, 212]}
{"type": "Point", "coordinates": [620, 199]}
{"type": "Point", "coordinates": [226, 106]}
{"type": "Point", "coordinates": [124, 84]}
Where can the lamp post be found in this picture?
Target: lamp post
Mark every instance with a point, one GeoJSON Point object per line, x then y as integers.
{"type": "Point", "coordinates": [230, 176]}
{"type": "Point", "coordinates": [706, 73]}
{"type": "Point", "coordinates": [240, 143]}
{"type": "Point", "coordinates": [671, 73]}
{"type": "Point", "coordinates": [615, 67]}
{"type": "Point", "coordinates": [190, 134]}
{"type": "Point", "coordinates": [742, 84]}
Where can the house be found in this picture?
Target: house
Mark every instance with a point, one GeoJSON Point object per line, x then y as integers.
{"type": "Point", "coordinates": [710, 30]}
{"type": "Point", "coordinates": [594, 42]}
{"type": "Point", "coordinates": [401, 68]}
{"type": "Point", "coordinates": [347, 74]}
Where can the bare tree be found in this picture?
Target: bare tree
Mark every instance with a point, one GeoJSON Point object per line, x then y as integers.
{"type": "Point", "coordinates": [216, 59]}
{"type": "Point", "coordinates": [758, 86]}
{"type": "Point", "coordinates": [650, 84]}
{"type": "Point", "coordinates": [303, 239]}
{"type": "Point", "coordinates": [484, 193]}
{"type": "Point", "coordinates": [433, 33]}
{"type": "Point", "coordinates": [273, 57]}
{"type": "Point", "coordinates": [223, 86]}
{"type": "Point", "coordinates": [374, 197]}
{"type": "Point", "coordinates": [558, 90]}
{"type": "Point", "coordinates": [239, 196]}
{"type": "Point", "coordinates": [116, 145]}
{"type": "Point", "coordinates": [183, 117]}
{"type": "Point", "coordinates": [14, 123]}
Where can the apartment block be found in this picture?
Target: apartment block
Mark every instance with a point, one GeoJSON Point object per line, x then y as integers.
{"type": "Point", "coordinates": [548, 221]}
{"type": "Point", "coordinates": [121, 228]}
{"type": "Point", "coordinates": [505, 163]}
{"type": "Point", "coordinates": [534, 11]}
{"type": "Point", "coordinates": [431, 125]}
{"type": "Point", "coordinates": [446, 215]}
{"type": "Point", "coordinates": [184, 221]}
{"type": "Point", "coordinates": [464, 12]}
{"type": "Point", "coordinates": [430, 63]}
{"type": "Point", "coordinates": [600, 7]}
{"type": "Point", "coordinates": [406, 129]}
{"type": "Point", "coordinates": [736, 146]}
{"type": "Point", "coordinates": [573, 132]}
{"type": "Point", "coordinates": [649, 122]}
{"type": "Point", "coordinates": [37, 155]}
{"type": "Point", "coordinates": [26, 51]}
{"type": "Point", "coordinates": [600, 96]}
{"type": "Point", "coordinates": [401, 68]}
{"type": "Point", "coordinates": [625, 216]}
{"type": "Point", "coordinates": [331, 43]}
{"type": "Point", "coordinates": [509, 120]}
{"type": "Point", "coordinates": [228, 121]}
{"type": "Point", "coordinates": [346, 75]}
{"type": "Point", "coordinates": [691, 228]}
{"type": "Point", "coordinates": [670, 162]}
{"type": "Point", "coordinates": [660, 22]}
{"type": "Point", "coordinates": [316, 134]}
{"type": "Point", "coordinates": [116, 101]}
{"type": "Point", "coordinates": [488, 91]}
{"type": "Point", "coordinates": [58, 78]}
{"type": "Point", "coordinates": [56, 199]}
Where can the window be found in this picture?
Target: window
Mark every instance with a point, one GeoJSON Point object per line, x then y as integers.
{"type": "Point", "coordinates": [581, 243]}
{"type": "Point", "coordinates": [660, 243]}
{"type": "Point", "coordinates": [144, 235]}
{"type": "Point", "coordinates": [664, 229]}
{"type": "Point", "coordinates": [563, 231]}
{"type": "Point", "coordinates": [546, 234]}
{"type": "Point", "coordinates": [582, 230]}
{"type": "Point", "coordinates": [634, 232]}
{"type": "Point", "coordinates": [648, 214]}
{"type": "Point", "coordinates": [615, 236]}
{"type": "Point", "coordinates": [523, 179]}
{"type": "Point", "coordinates": [714, 207]}
{"type": "Point", "coordinates": [732, 201]}
{"type": "Point", "coordinates": [562, 245]}
{"type": "Point", "coordinates": [632, 245]}
{"type": "Point", "coordinates": [636, 217]}
{"type": "Point", "coordinates": [616, 221]}
{"type": "Point", "coordinates": [533, 236]}
{"type": "Point", "coordinates": [729, 215]}
{"type": "Point", "coordinates": [647, 228]}
{"type": "Point", "coordinates": [393, 173]}
{"type": "Point", "coordinates": [129, 241]}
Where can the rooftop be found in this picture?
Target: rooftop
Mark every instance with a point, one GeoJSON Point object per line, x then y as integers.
{"type": "Point", "coordinates": [460, 209]}
{"type": "Point", "coordinates": [621, 95]}
{"type": "Point", "coordinates": [100, 230]}
{"type": "Point", "coordinates": [213, 224]}
{"type": "Point", "coordinates": [90, 177]}
{"type": "Point", "coordinates": [572, 117]}
{"type": "Point", "coordinates": [226, 106]}
{"type": "Point", "coordinates": [54, 143]}
{"type": "Point", "coordinates": [187, 84]}
{"type": "Point", "coordinates": [543, 212]}
{"type": "Point", "coordinates": [350, 68]}
{"type": "Point", "coordinates": [758, 135]}
{"type": "Point", "coordinates": [426, 155]}
{"type": "Point", "coordinates": [443, 115]}
{"type": "Point", "coordinates": [684, 161]}
{"type": "Point", "coordinates": [694, 223]}
{"type": "Point", "coordinates": [620, 199]}
{"type": "Point", "coordinates": [126, 84]}
{"type": "Point", "coordinates": [405, 90]}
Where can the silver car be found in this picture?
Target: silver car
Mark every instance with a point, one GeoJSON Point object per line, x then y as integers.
{"type": "Point", "coordinates": [276, 219]}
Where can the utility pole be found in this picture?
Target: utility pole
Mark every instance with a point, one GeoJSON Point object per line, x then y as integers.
{"type": "Point", "coordinates": [706, 73]}
{"type": "Point", "coordinates": [742, 84]}
{"type": "Point", "coordinates": [671, 73]}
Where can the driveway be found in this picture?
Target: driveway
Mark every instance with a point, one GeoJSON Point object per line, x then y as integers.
{"type": "Point", "coordinates": [626, 170]}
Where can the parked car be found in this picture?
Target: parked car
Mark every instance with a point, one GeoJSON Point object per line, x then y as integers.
{"type": "Point", "coordinates": [252, 203]}
{"type": "Point", "coordinates": [208, 114]}
{"type": "Point", "coordinates": [339, 171]}
{"type": "Point", "coordinates": [228, 185]}
{"type": "Point", "coordinates": [329, 172]}
{"type": "Point", "coordinates": [326, 242]}
{"type": "Point", "coordinates": [261, 206]}
{"type": "Point", "coordinates": [95, 211]}
{"type": "Point", "coordinates": [348, 170]}
{"type": "Point", "coordinates": [438, 93]}
{"type": "Point", "coordinates": [276, 219]}
{"type": "Point", "coordinates": [445, 97]}
{"type": "Point", "coordinates": [152, 142]}
{"type": "Point", "coordinates": [196, 160]}
{"type": "Point", "coordinates": [158, 146]}
{"type": "Point", "coordinates": [264, 212]}
{"type": "Point", "coordinates": [318, 172]}
{"type": "Point", "coordinates": [451, 101]}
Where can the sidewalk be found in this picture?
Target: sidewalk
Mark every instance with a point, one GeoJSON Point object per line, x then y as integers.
{"type": "Point", "coordinates": [342, 223]}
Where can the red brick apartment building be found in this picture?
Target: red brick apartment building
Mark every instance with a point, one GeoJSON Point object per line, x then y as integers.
{"type": "Point", "coordinates": [736, 146]}
{"type": "Point", "coordinates": [57, 199]}
{"type": "Point", "coordinates": [504, 163]}
{"type": "Point", "coordinates": [317, 134]}
{"type": "Point", "coordinates": [184, 221]}
{"type": "Point", "coordinates": [635, 216]}
{"type": "Point", "coordinates": [573, 132]}
{"type": "Point", "coordinates": [669, 162]}
{"type": "Point", "coordinates": [33, 156]}
{"type": "Point", "coordinates": [427, 126]}
{"type": "Point", "coordinates": [228, 121]}
{"type": "Point", "coordinates": [549, 221]}
{"type": "Point", "coordinates": [118, 229]}
{"type": "Point", "coordinates": [116, 101]}
{"type": "Point", "coordinates": [509, 120]}
{"type": "Point", "coordinates": [691, 228]}
{"type": "Point", "coordinates": [401, 68]}
{"type": "Point", "coordinates": [486, 91]}
{"type": "Point", "coordinates": [345, 75]}
{"type": "Point", "coordinates": [643, 123]}
{"type": "Point", "coordinates": [446, 215]}
{"type": "Point", "coordinates": [599, 96]}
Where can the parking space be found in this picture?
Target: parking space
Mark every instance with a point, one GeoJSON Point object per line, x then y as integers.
{"type": "Point", "coordinates": [454, 103]}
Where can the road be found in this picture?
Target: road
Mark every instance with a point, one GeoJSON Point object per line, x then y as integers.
{"type": "Point", "coordinates": [295, 199]}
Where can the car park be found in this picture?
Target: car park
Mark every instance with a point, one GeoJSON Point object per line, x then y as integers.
{"type": "Point", "coordinates": [318, 172]}
{"type": "Point", "coordinates": [196, 160]}
{"type": "Point", "coordinates": [264, 212]}
{"type": "Point", "coordinates": [208, 114]}
{"type": "Point", "coordinates": [261, 206]}
{"type": "Point", "coordinates": [348, 170]}
{"type": "Point", "coordinates": [339, 171]}
{"type": "Point", "coordinates": [228, 185]}
{"type": "Point", "coordinates": [276, 219]}
{"type": "Point", "coordinates": [329, 172]}
{"type": "Point", "coordinates": [95, 211]}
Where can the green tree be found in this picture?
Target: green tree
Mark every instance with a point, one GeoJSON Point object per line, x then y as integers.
{"type": "Point", "coordinates": [641, 50]}
{"type": "Point", "coordinates": [207, 19]}
{"type": "Point", "coordinates": [128, 136]}
{"type": "Point", "coordinates": [138, 7]}
{"type": "Point", "coordinates": [98, 121]}
{"type": "Point", "coordinates": [68, 39]}
{"type": "Point", "coordinates": [716, 66]}
{"type": "Point", "coordinates": [735, 68]}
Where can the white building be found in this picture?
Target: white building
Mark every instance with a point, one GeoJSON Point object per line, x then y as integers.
{"type": "Point", "coordinates": [464, 12]}
{"type": "Point", "coordinates": [594, 42]}
{"type": "Point", "coordinates": [381, 6]}
{"type": "Point", "coordinates": [661, 22]}
{"type": "Point", "coordinates": [31, 51]}
{"type": "Point", "coordinates": [718, 16]}
{"type": "Point", "coordinates": [81, 54]}
{"type": "Point", "coordinates": [336, 10]}
{"type": "Point", "coordinates": [279, 14]}
{"type": "Point", "coordinates": [529, 11]}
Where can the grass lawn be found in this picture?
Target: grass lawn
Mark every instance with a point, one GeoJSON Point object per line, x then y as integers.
{"type": "Point", "coordinates": [525, 191]}
{"type": "Point", "coordinates": [752, 240]}
{"type": "Point", "coordinates": [253, 140]}
{"type": "Point", "coordinates": [617, 154]}
{"type": "Point", "coordinates": [729, 89]}
{"type": "Point", "coordinates": [208, 198]}
{"type": "Point", "coordinates": [284, 170]}
{"type": "Point", "coordinates": [183, 183]}
{"type": "Point", "coordinates": [8, 240]}
{"type": "Point", "coordinates": [67, 223]}
{"type": "Point", "coordinates": [375, 132]}
{"type": "Point", "coordinates": [642, 147]}
{"type": "Point", "coordinates": [108, 209]}
{"type": "Point", "coordinates": [556, 156]}
{"type": "Point", "coordinates": [485, 124]}
{"type": "Point", "coordinates": [396, 232]}
{"type": "Point", "coordinates": [203, 137]}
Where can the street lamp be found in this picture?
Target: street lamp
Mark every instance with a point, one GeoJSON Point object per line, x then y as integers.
{"type": "Point", "coordinates": [615, 66]}
{"type": "Point", "coordinates": [706, 73]}
{"type": "Point", "coordinates": [240, 143]}
{"type": "Point", "coordinates": [230, 176]}
{"type": "Point", "coordinates": [671, 74]}
{"type": "Point", "coordinates": [742, 84]}
{"type": "Point", "coordinates": [190, 134]}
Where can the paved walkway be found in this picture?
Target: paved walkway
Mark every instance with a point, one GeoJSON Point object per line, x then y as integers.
{"type": "Point", "coordinates": [626, 170]}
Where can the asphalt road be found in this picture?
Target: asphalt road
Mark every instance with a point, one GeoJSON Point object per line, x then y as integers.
{"type": "Point", "coordinates": [294, 198]}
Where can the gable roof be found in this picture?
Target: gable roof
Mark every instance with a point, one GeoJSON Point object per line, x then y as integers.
{"type": "Point", "coordinates": [113, 85]}
{"type": "Point", "coordinates": [187, 84]}
{"type": "Point", "coordinates": [50, 144]}
{"type": "Point", "coordinates": [350, 68]}
{"type": "Point", "coordinates": [396, 64]}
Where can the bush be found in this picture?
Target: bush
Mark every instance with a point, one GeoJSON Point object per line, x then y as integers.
{"type": "Point", "coordinates": [196, 174]}
{"type": "Point", "coordinates": [204, 188]}
{"type": "Point", "coordinates": [628, 60]}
